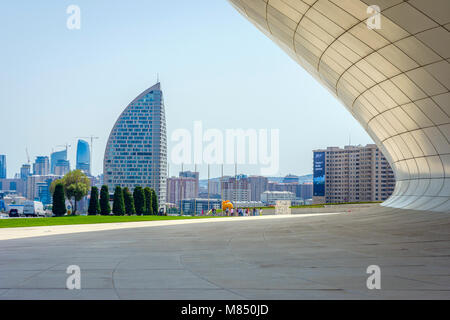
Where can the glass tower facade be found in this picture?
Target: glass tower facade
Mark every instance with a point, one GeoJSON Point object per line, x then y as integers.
{"type": "Point", "coordinates": [2, 166]}
{"type": "Point", "coordinates": [41, 166]}
{"type": "Point", "coordinates": [55, 157]}
{"type": "Point", "coordinates": [83, 157]}
{"type": "Point", "coordinates": [136, 151]}
{"type": "Point", "coordinates": [25, 171]}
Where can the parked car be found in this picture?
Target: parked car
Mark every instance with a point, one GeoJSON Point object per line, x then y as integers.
{"type": "Point", "coordinates": [14, 213]}
{"type": "Point", "coordinates": [33, 209]}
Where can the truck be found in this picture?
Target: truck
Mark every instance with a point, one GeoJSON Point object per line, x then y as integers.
{"type": "Point", "coordinates": [33, 209]}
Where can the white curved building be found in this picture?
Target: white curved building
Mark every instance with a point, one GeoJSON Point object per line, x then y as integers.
{"type": "Point", "coordinates": [394, 79]}
{"type": "Point", "coordinates": [136, 152]}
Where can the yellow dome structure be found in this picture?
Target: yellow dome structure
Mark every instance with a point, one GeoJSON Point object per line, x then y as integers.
{"type": "Point", "coordinates": [227, 205]}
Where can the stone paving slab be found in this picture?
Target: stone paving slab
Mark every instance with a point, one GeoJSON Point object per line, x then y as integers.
{"type": "Point", "coordinates": [308, 257]}
{"type": "Point", "coordinates": [29, 232]}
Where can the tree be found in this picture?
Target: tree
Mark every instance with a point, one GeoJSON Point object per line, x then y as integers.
{"type": "Point", "coordinates": [59, 200]}
{"type": "Point", "coordinates": [76, 185]}
{"type": "Point", "coordinates": [154, 202]}
{"type": "Point", "coordinates": [139, 200]}
{"type": "Point", "coordinates": [105, 208]}
{"type": "Point", "coordinates": [119, 203]}
{"type": "Point", "coordinates": [94, 205]}
{"type": "Point", "coordinates": [129, 202]}
{"type": "Point", "coordinates": [148, 200]}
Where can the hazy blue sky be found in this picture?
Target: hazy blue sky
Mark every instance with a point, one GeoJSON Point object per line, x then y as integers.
{"type": "Point", "coordinates": [57, 84]}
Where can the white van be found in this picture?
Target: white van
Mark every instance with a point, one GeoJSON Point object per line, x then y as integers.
{"type": "Point", "coordinates": [33, 208]}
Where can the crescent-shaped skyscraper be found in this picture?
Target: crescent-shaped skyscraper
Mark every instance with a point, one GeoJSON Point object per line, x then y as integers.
{"type": "Point", "coordinates": [136, 151]}
{"type": "Point", "coordinates": [388, 63]}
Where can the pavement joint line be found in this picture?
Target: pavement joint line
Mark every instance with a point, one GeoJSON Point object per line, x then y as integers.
{"type": "Point", "coordinates": [44, 231]}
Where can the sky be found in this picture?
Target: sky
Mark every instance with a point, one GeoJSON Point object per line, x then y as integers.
{"type": "Point", "coordinates": [214, 66]}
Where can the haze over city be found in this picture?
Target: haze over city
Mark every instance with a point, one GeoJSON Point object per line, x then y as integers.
{"type": "Point", "coordinates": [212, 65]}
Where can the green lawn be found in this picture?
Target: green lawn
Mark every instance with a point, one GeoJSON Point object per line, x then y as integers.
{"type": "Point", "coordinates": [66, 220]}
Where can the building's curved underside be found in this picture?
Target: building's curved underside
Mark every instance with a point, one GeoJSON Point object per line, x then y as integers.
{"type": "Point", "coordinates": [394, 80]}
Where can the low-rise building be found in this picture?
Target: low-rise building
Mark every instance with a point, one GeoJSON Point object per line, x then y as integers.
{"type": "Point", "coordinates": [17, 185]}
{"type": "Point", "coordinates": [270, 197]}
{"type": "Point", "coordinates": [199, 205]}
{"type": "Point", "coordinates": [186, 186]}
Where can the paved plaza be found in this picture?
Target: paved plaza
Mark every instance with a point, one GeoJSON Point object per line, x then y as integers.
{"type": "Point", "coordinates": [318, 256]}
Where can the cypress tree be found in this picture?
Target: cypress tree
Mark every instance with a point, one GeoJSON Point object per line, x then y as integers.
{"type": "Point", "coordinates": [139, 200]}
{"type": "Point", "coordinates": [148, 201]}
{"type": "Point", "coordinates": [119, 203]}
{"type": "Point", "coordinates": [59, 200]}
{"type": "Point", "coordinates": [94, 205]}
{"type": "Point", "coordinates": [105, 208]}
{"type": "Point", "coordinates": [129, 202]}
{"type": "Point", "coordinates": [154, 202]}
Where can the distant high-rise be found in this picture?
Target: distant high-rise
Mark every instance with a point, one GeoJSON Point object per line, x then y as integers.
{"type": "Point", "coordinates": [2, 166]}
{"type": "Point", "coordinates": [41, 166]}
{"type": "Point", "coordinates": [37, 187]}
{"type": "Point", "coordinates": [352, 174]}
{"type": "Point", "coordinates": [136, 151]}
{"type": "Point", "coordinates": [43, 191]}
{"type": "Point", "coordinates": [236, 189]}
{"type": "Point", "coordinates": [180, 188]}
{"type": "Point", "coordinates": [258, 185]}
{"type": "Point", "coordinates": [25, 171]}
{"type": "Point", "coordinates": [62, 167]}
{"type": "Point", "coordinates": [55, 157]}
{"type": "Point", "coordinates": [83, 157]}
{"type": "Point", "coordinates": [193, 175]}
{"type": "Point", "coordinates": [186, 186]}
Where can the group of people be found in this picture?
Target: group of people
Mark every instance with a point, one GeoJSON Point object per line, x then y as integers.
{"type": "Point", "coordinates": [243, 212]}
{"type": "Point", "coordinates": [236, 212]}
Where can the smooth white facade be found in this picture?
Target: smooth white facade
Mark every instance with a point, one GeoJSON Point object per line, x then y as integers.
{"type": "Point", "coordinates": [394, 80]}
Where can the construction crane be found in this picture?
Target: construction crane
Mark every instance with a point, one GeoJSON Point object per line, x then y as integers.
{"type": "Point", "coordinates": [67, 146]}
{"type": "Point", "coordinates": [28, 155]}
{"type": "Point", "coordinates": [91, 137]}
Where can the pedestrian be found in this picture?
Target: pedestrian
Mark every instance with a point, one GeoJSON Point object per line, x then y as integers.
{"type": "Point", "coordinates": [260, 211]}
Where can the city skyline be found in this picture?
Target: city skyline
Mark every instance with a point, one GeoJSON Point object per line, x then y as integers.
{"type": "Point", "coordinates": [80, 88]}
{"type": "Point", "coordinates": [262, 150]}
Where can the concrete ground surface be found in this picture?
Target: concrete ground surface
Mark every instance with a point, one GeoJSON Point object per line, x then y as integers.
{"type": "Point", "coordinates": [307, 257]}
